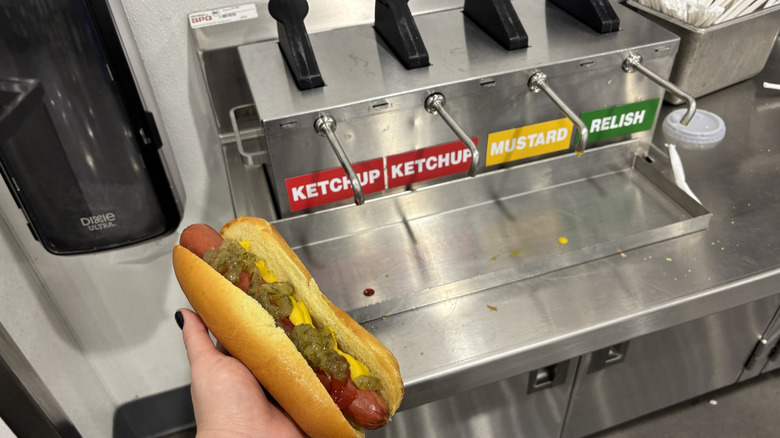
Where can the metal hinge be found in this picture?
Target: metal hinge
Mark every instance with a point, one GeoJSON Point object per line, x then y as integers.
{"type": "Point", "coordinates": [757, 351]}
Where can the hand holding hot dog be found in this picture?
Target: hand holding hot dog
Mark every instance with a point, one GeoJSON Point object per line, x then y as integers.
{"type": "Point", "coordinates": [258, 300]}
{"type": "Point", "coordinates": [227, 399]}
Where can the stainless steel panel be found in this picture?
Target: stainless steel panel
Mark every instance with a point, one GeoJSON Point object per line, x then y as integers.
{"type": "Point", "coordinates": [504, 408]}
{"type": "Point", "coordinates": [379, 105]}
{"type": "Point", "coordinates": [221, 66]}
{"type": "Point", "coordinates": [666, 367]}
{"type": "Point", "coordinates": [248, 185]}
{"type": "Point", "coordinates": [470, 235]}
{"type": "Point", "coordinates": [357, 67]}
{"type": "Point", "coordinates": [323, 15]}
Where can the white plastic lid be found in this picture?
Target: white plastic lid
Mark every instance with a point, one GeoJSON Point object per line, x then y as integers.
{"type": "Point", "coordinates": [704, 129]}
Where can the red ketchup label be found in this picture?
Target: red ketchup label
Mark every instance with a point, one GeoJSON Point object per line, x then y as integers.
{"type": "Point", "coordinates": [332, 185]}
{"type": "Point", "coordinates": [320, 188]}
{"type": "Point", "coordinates": [428, 163]}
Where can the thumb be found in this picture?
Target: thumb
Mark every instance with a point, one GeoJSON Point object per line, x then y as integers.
{"type": "Point", "coordinates": [196, 337]}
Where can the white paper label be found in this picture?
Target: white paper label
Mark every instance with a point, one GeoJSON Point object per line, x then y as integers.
{"type": "Point", "coordinates": [223, 15]}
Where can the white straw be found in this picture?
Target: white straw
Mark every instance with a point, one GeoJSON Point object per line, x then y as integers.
{"type": "Point", "coordinates": [751, 8]}
{"type": "Point", "coordinates": [704, 13]}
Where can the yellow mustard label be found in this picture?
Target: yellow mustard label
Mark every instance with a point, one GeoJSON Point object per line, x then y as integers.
{"type": "Point", "coordinates": [528, 141]}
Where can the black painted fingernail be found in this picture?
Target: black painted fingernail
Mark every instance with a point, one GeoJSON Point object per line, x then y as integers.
{"type": "Point", "coordinates": [179, 319]}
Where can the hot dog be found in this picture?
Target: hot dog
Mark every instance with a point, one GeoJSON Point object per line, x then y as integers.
{"type": "Point", "coordinates": [254, 294]}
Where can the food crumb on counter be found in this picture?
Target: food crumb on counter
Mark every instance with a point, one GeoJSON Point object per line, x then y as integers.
{"type": "Point", "coordinates": [492, 308]}
{"type": "Point", "coordinates": [668, 259]}
{"type": "Point", "coordinates": [622, 254]}
{"type": "Point", "coordinates": [562, 240]}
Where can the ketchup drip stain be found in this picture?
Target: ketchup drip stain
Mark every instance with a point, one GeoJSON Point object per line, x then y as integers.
{"type": "Point", "coordinates": [369, 292]}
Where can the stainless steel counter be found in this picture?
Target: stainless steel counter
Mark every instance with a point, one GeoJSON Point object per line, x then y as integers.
{"type": "Point", "coordinates": [473, 340]}
{"type": "Point", "coordinates": [478, 338]}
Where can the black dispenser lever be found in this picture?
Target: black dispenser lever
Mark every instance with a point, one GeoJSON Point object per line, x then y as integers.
{"type": "Point", "coordinates": [393, 21]}
{"type": "Point", "coordinates": [596, 14]}
{"type": "Point", "coordinates": [498, 19]}
{"type": "Point", "coordinates": [294, 42]}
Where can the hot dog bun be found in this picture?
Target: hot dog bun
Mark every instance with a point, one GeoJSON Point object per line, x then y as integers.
{"type": "Point", "coordinates": [249, 333]}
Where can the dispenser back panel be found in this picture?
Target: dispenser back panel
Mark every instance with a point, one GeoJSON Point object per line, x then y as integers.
{"type": "Point", "coordinates": [379, 105]}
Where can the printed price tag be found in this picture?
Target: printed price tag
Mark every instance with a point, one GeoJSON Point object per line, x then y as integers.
{"type": "Point", "coordinates": [229, 14]}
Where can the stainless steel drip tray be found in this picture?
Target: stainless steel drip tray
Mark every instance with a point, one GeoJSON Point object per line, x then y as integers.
{"type": "Point", "coordinates": [402, 252]}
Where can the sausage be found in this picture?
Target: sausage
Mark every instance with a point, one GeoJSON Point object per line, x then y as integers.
{"type": "Point", "coordinates": [364, 408]}
{"type": "Point", "coordinates": [367, 410]}
{"type": "Point", "coordinates": [199, 238]}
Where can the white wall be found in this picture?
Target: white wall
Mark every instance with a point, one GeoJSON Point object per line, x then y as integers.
{"type": "Point", "coordinates": [33, 320]}
{"type": "Point", "coordinates": [99, 328]}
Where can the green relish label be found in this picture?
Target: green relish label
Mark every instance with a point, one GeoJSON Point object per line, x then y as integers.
{"type": "Point", "coordinates": [620, 120]}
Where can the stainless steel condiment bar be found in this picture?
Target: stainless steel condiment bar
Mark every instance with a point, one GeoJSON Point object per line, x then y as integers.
{"type": "Point", "coordinates": [380, 106]}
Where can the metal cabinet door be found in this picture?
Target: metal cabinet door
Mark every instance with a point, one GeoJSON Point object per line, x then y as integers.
{"type": "Point", "coordinates": [527, 405]}
{"type": "Point", "coordinates": [660, 369]}
{"type": "Point", "coordinates": [765, 356]}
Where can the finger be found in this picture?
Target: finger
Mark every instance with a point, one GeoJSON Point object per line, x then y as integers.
{"type": "Point", "coordinates": [196, 338]}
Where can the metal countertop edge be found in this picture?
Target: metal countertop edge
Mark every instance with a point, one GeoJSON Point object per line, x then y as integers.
{"type": "Point", "coordinates": [510, 362]}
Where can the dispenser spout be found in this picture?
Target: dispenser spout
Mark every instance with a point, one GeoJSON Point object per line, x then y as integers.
{"type": "Point", "coordinates": [326, 126]}
{"type": "Point", "coordinates": [538, 82]}
{"type": "Point", "coordinates": [633, 62]}
{"type": "Point", "coordinates": [434, 104]}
